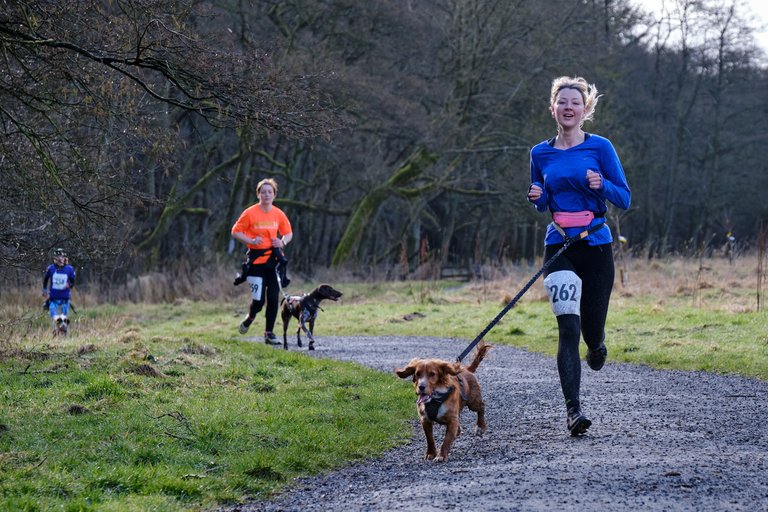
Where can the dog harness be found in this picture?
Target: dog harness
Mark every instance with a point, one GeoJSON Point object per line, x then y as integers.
{"type": "Point", "coordinates": [308, 305]}
{"type": "Point", "coordinates": [309, 308]}
{"type": "Point", "coordinates": [433, 406]}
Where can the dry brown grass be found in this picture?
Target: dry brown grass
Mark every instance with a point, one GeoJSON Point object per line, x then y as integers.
{"type": "Point", "coordinates": [668, 278]}
{"type": "Point", "coordinates": [713, 283]}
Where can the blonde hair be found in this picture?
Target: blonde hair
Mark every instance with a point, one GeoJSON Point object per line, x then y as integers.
{"type": "Point", "coordinates": [588, 93]}
{"type": "Point", "coordinates": [266, 181]}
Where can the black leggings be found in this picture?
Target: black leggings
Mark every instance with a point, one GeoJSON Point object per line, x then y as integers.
{"type": "Point", "coordinates": [594, 266]}
{"type": "Point", "coordinates": [270, 294]}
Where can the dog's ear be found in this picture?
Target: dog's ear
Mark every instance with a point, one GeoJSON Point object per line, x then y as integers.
{"type": "Point", "coordinates": [408, 370]}
{"type": "Point", "coordinates": [452, 368]}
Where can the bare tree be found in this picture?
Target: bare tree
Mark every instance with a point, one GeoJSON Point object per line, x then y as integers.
{"type": "Point", "coordinates": [94, 101]}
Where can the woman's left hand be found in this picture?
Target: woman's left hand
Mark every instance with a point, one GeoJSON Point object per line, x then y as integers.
{"type": "Point", "coordinates": [595, 180]}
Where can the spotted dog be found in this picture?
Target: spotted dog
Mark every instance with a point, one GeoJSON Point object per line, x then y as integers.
{"type": "Point", "coordinates": [305, 308]}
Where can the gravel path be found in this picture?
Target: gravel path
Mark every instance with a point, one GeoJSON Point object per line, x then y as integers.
{"type": "Point", "coordinates": [660, 440]}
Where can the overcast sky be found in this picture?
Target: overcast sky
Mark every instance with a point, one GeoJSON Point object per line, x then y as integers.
{"type": "Point", "coordinates": [758, 13]}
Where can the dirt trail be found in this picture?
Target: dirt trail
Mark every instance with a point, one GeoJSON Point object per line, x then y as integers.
{"type": "Point", "coordinates": [660, 440]}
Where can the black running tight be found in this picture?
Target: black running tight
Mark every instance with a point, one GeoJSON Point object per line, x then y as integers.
{"type": "Point", "coordinates": [270, 295]}
{"type": "Point", "coordinates": [594, 266]}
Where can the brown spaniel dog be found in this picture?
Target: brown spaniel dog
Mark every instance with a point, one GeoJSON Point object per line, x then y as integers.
{"type": "Point", "coordinates": [443, 390]}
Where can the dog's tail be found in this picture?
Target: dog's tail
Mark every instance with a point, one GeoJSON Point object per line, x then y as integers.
{"type": "Point", "coordinates": [480, 351]}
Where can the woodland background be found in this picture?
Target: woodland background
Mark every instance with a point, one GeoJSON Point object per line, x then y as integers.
{"type": "Point", "coordinates": [134, 131]}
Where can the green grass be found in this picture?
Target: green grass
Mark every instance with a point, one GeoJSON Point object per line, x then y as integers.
{"type": "Point", "coordinates": [174, 413]}
{"type": "Point", "coordinates": [673, 336]}
{"type": "Point", "coordinates": [164, 407]}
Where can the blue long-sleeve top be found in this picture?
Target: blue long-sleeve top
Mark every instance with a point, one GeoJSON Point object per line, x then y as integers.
{"type": "Point", "coordinates": [62, 279]}
{"type": "Point", "coordinates": [562, 176]}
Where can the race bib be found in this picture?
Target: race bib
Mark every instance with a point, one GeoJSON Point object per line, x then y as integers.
{"type": "Point", "coordinates": [564, 290]}
{"type": "Point", "coordinates": [256, 283]}
{"type": "Point", "coordinates": [58, 281]}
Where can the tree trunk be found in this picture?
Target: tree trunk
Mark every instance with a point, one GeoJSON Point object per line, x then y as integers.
{"type": "Point", "coordinates": [370, 203]}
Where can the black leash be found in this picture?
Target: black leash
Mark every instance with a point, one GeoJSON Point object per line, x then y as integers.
{"type": "Point", "coordinates": [280, 285]}
{"type": "Point", "coordinates": [567, 241]}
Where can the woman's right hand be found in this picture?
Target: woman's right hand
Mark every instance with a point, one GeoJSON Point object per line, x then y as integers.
{"type": "Point", "coordinates": [534, 192]}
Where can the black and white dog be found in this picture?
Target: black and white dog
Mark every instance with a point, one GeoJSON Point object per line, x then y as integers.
{"type": "Point", "coordinates": [60, 325]}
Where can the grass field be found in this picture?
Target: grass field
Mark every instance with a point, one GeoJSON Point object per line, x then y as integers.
{"type": "Point", "coordinates": [165, 407]}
